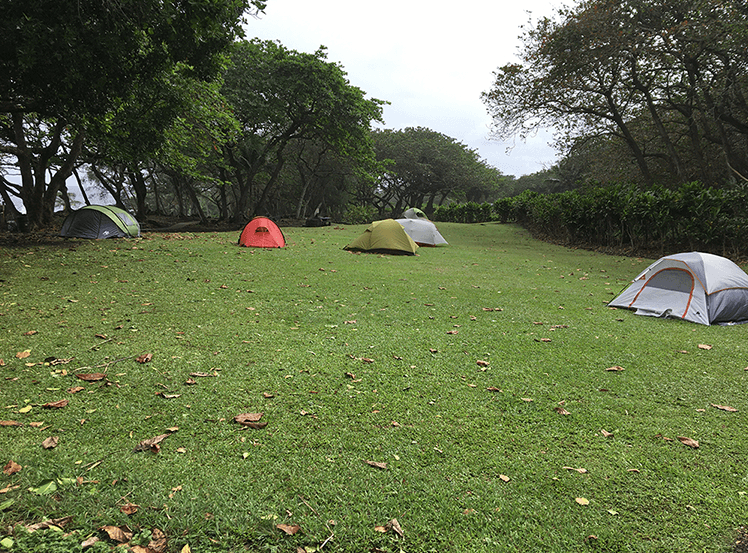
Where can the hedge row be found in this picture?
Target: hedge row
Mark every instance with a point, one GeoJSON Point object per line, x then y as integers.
{"type": "Point", "coordinates": [692, 217]}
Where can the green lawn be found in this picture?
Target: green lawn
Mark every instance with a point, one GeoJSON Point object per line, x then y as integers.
{"type": "Point", "coordinates": [423, 389]}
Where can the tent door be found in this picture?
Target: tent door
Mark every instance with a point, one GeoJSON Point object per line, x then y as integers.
{"type": "Point", "coordinates": [667, 293]}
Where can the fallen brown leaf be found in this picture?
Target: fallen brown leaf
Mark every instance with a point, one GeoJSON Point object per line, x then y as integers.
{"type": "Point", "coordinates": [129, 508]}
{"type": "Point", "coordinates": [9, 488]}
{"type": "Point", "coordinates": [158, 541]}
{"type": "Point", "coordinates": [615, 368]}
{"type": "Point", "coordinates": [605, 433]}
{"type": "Point", "coordinates": [724, 407]}
{"type": "Point", "coordinates": [56, 404]}
{"type": "Point", "coordinates": [117, 534]}
{"type": "Point", "coordinates": [145, 358]}
{"type": "Point", "coordinates": [504, 478]}
{"type": "Point", "coordinates": [248, 418]}
{"type": "Point", "coordinates": [494, 389]}
{"type": "Point", "coordinates": [23, 354]}
{"type": "Point", "coordinates": [51, 442]}
{"type": "Point", "coordinates": [688, 441]}
{"type": "Point", "coordinates": [705, 346]}
{"type": "Point", "coordinates": [91, 377]}
{"type": "Point", "coordinates": [150, 443]}
{"type": "Point", "coordinates": [394, 525]}
{"type": "Point", "coordinates": [289, 529]}
{"type": "Point", "coordinates": [10, 423]}
{"type": "Point", "coordinates": [561, 411]}
{"type": "Point", "coordinates": [481, 363]}
{"type": "Point", "coordinates": [75, 389]}
{"type": "Point", "coordinates": [579, 470]}
{"type": "Point", "coordinates": [374, 464]}
{"type": "Point", "coordinates": [11, 467]}
{"type": "Point", "coordinates": [58, 522]}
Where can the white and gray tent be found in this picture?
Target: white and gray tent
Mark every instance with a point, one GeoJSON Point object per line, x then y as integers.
{"type": "Point", "coordinates": [698, 287]}
{"type": "Point", "coordinates": [422, 231]}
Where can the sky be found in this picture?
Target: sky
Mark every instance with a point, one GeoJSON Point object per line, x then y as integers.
{"type": "Point", "coordinates": [430, 59]}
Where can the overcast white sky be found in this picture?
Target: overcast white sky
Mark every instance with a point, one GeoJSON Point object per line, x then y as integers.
{"type": "Point", "coordinates": [430, 58]}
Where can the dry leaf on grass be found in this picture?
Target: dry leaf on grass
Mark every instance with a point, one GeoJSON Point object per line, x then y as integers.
{"type": "Point", "coordinates": [582, 501]}
{"type": "Point", "coordinates": [23, 354]}
{"type": "Point", "coordinates": [615, 368]}
{"type": "Point", "coordinates": [393, 525]}
{"type": "Point", "coordinates": [51, 442]}
{"type": "Point", "coordinates": [58, 522]}
{"type": "Point", "coordinates": [117, 534]}
{"type": "Point", "coordinates": [724, 407]}
{"type": "Point", "coordinates": [129, 508]}
{"type": "Point", "coordinates": [10, 423]}
{"type": "Point", "coordinates": [606, 433]}
{"type": "Point", "coordinates": [289, 529]}
{"type": "Point", "coordinates": [688, 441]}
{"type": "Point", "coordinates": [11, 467]}
{"type": "Point", "coordinates": [145, 358]}
{"type": "Point", "coordinates": [56, 404]}
{"type": "Point", "coordinates": [91, 377]}
{"type": "Point", "coordinates": [579, 470]}
{"type": "Point", "coordinates": [494, 389]}
{"type": "Point", "coordinates": [705, 346]}
{"type": "Point", "coordinates": [75, 389]}
{"type": "Point", "coordinates": [561, 411]}
{"type": "Point", "coordinates": [151, 444]}
{"type": "Point", "coordinates": [504, 478]}
{"type": "Point", "coordinates": [374, 464]}
{"type": "Point", "coordinates": [481, 363]}
{"type": "Point", "coordinates": [251, 420]}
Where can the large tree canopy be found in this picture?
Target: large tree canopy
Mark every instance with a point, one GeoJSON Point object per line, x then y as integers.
{"type": "Point", "coordinates": [422, 165]}
{"type": "Point", "coordinates": [665, 80]}
{"type": "Point", "coordinates": [282, 97]}
{"type": "Point", "coordinates": [68, 68]}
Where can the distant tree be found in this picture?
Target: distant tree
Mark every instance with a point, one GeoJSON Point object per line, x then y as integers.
{"type": "Point", "coordinates": [423, 166]}
{"type": "Point", "coordinates": [74, 67]}
{"type": "Point", "coordinates": [664, 80]}
{"type": "Point", "coordinates": [281, 97]}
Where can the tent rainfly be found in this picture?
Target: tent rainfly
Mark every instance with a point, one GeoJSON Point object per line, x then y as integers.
{"type": "Point", "coordinates": [422, 231]}
{"type": "Point", "coordinates": [414, 213]}
{"type": "Point", "coordinates": [261, 232]}
{"type": "Point", "coordinates": [386, 236]}
{"type": "Point", "coordinates": [100, 221]}
{"type": "Point", "coordinates": [697, 287]}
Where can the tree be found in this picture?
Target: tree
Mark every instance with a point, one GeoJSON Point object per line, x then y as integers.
{"type": "Point", "coordinates": [74, 67]}
{"type": "Point", "coordinates": [281, 96]}
{"type": "Point", "coordinates": [422, 165]}
{"type": "Point", "coordinates": [663, 79]}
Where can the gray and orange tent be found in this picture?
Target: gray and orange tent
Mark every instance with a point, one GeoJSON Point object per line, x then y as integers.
{"type": "Point", "coordinates": [697, 287]}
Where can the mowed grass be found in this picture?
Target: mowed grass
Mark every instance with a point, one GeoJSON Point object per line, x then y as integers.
{"type": "Point", "coordinates": [355, 359]}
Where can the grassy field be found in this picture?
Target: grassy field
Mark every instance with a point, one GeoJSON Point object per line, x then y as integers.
{"type": "Point", "coordinates": [457, 401]}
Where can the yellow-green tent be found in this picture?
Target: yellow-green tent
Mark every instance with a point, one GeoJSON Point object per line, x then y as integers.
{"type": "Point", "coordinates": [386, 236]}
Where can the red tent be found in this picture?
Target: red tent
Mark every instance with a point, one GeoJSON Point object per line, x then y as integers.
{"type": "Point", "coordinates": [261, 232]}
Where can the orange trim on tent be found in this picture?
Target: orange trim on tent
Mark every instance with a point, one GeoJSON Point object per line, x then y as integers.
{"type": "Point", "coordinates": [690, 293]}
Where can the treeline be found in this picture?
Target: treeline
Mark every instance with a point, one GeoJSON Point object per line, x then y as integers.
{"type": "Point", "coordinates": [625, 217]}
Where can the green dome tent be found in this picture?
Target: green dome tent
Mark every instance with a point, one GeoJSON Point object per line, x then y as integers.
{"type": "Point", "coordinates": [387, 236]}
{"type": "Point", "coordinates": [414, 213]}
{"type": "Point", "coordinates": [100, 221]}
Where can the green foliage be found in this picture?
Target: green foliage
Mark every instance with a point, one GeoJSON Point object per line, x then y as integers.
{"type": "Point", "coordinates": [357, 214]}
{"type": "Point", "coordinates": [690, 217]}
{"type": "Point", "coordinates": [469, 212]}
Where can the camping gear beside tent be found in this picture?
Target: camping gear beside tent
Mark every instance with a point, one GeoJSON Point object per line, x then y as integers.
{"type": "Point", "coordinates": [698, 287]}
{"type": "Point", "coordinates": [261, 232]}
{"type": "Point", "coordinates": [100, 221]}
{"type": "Point", "coordinates": [387, 236]}
{"type": "Point", "coordinates": [414, 213]}
{"type": "Point", "coordinates": [422, 231]}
